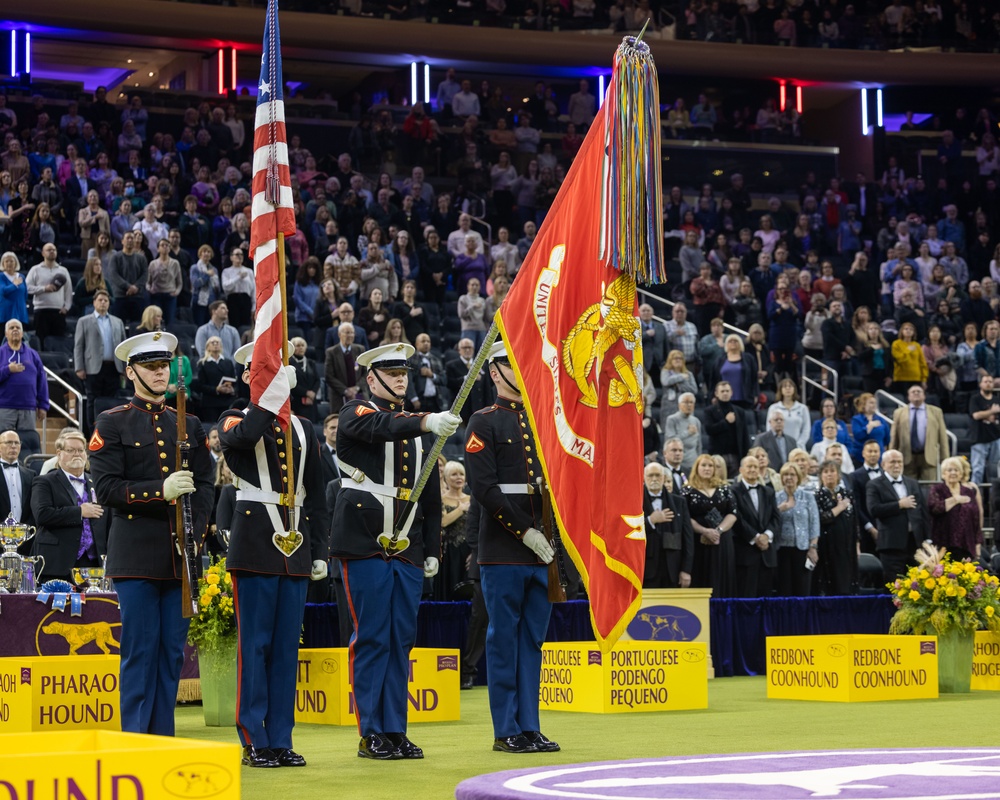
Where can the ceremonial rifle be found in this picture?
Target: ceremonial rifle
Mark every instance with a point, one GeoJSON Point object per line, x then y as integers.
{"type": "Point", "coordinates": [557, 591]}
{"type": "Point", "coordinates": [184, 529]}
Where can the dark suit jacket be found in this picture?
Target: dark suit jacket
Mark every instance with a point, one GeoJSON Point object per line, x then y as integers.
{"type": "Point", "coordinates": [331, 471]}
{"type": "Point", "coordinates": [769, 442]}
{"type": "Point", "coordinates": [336, 375]}
{"type": "Point", "coordinates": [654, 349]}
{"type": "Point", "coordinates": [28, 518]}
{"type": "Point", "coordinates": [418, 382]}
{"type": "Point", "coordinates": [677, 535]}
{"type": "Point", "coordinates": [859, 484]}
{"type": "Point", "coordinates": [893, 522]}
{"type": "Point", "coordinates": [750, 522]}
{"type": "Point", "coordinates": [60, 523]}
{"type": "Point", "coordinates": [74, 199]}
{"type": "Point", "coordinates": [482, 393]}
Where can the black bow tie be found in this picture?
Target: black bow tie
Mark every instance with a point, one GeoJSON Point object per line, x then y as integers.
{"type": "Point", "coordinates": [873, 470]}
{"type": "Point", "coordinates": [754, 486]}
{"type": "Point", "coordinates": [10, 466]}
{"type": "Point", "coordinates": [897, 481]}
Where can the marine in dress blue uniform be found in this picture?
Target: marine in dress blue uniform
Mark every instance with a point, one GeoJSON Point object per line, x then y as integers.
{"type": "Point", "coordinates": [380, 454]}
{"type": "Point", "coordinates": [269, 583]}
{"type": "Point", "coordinates": [502, 464]}
{"type": "Point", "coordinates": [133, 464]}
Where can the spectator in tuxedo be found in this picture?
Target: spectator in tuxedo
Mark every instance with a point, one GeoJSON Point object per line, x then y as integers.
{"type": "Point", "coordinates": [328, 450]}
{"type": "Point", "coordinates": [429, 386]}
{"type": "Point", "coordinates": [775, 441]}
{"type": "Point", "coordinates": [72, 529]}
{"type": "Point", "coordinates": [345, 379]}
{"type": "Point", "coordinates": [15, 490]}
{"type": "Point", "coordinates": [798, 539]}
{"type": "Point", "coordinates": [754, 536]}
{"type": "Point", "coordinates": [871, 453]}
{"type": "Point", "coordinates": [685, 427]}
{"type": "Point", "coordinates": [897, 507]}
{"type": "Point", "coordinates": [94, 342]}
{"type": "Point", "coordinates": [669, 535]}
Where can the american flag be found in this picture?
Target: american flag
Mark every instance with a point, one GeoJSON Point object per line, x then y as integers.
{"type": "Point", "coordinates": [272, 214]}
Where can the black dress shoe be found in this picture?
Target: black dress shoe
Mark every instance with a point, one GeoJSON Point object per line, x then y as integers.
{"type": "Point", "coordinates": [541, 742]}
{"type": "Point", "coordinates": [288, 757]}
{"type": "Point", "coordinates": [404, 746]}
{"type": "Point", "coordinates": [252, 757]}
{"type": "Point", "coordinates": [377, 746]}
{"type": "Point", "coordinates": [514, 744]}
{"type": "Point", "coordinates": [467, 683]}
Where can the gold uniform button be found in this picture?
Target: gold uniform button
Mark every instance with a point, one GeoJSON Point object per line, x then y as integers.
{"type": "Point", "coordinates": [165, 469]}
{"type": "Point", "coordinates": [359, 505]}
{"type": "Point", "coordinates": [144, 494]}
{"type": "Point", "coordinates": [525, 436]}
{"type": "Point", "coordinates": [510, 441]}
{"type": "Point", "coordinates": [163, 455]}
{"type": "Point", "coordinates": [531, 474]}
{"type": "Point", "coordinates": [284, 480]}
{"type": "Point", "coordinates": [138, 445]}
{"type": "Point", "coordinates": [527, 449]}
{"type": "Point", "coordinates": [159, 430]}
{"type": "Point", "coordinates": [156, 494]}
{"type": "Point", "coordinates": [248, 512]}
{"type": "Point", "coordinates": [281, 455]}
{"type": "Point", "coordinates": [160, 442]}
{"type": "Point", "coordinates": [406, 468]}
{"type": "Point", "coordinates": [523, 425]}
{"type": "Point", "coordinates": [130, 516]}
{"type": "Point", "coordinates": [530, 461]}
{"type": "Point", "coordinates": [280, 441]}
{"type": "Point", "coordinates": [406, 441]}
{"type": "Point", "coordinates": [405, 481]}
{"type": "Point", "coordinates": [155, 417]}
{"type": "Point", "coordinates": [284, 466]}
{"type": "Point", "coordinates": [148, 406]}
{"type": "Point", "coordinates": [406, 455]}
{"type": "Point", "coordinates": [132, 497]}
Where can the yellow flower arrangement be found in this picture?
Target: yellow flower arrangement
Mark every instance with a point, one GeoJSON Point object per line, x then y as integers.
{"type": "Point", "coordinates": [215, 627]}
{"type": "Point", "coordinates": [939, 595]}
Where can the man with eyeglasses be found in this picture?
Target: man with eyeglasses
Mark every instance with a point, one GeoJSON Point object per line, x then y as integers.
{"type": "Point", "coordinates": [456, 369]}
{"type": "Point", "coordinates": [15, 489]}
{"type": "Point", "coordinates": [72, 526]}
{"type": "Point", "coordinates": [133, 455]}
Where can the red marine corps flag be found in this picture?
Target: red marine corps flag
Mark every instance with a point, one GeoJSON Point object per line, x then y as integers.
{"type": "Point", "coordinates": [572, 332]}
{"type": "Point", "coordinates": [272, 218]}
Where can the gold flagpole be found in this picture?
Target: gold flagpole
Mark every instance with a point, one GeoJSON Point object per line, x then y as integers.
{"type": "Point", "coordinates": [289, 455]}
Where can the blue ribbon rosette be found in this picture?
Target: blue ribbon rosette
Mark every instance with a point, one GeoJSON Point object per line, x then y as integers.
{"type": "Point", "coordinates": [61, 592]}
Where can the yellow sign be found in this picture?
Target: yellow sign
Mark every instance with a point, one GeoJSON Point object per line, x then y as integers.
{"type": "Point", "coordinates": [986, 662]}
{"type": "Point", "coordinates": [95, 764]}
{"type": "Point", "coordinates": [852, 668]}
{"type": "Point", "coordinates": [634, 676]}
{"type": "Point", "coordinates": [673, 615]}
{"type": "Point", "coordinates": [323, 688]}
{"type": "Point", "coordinates": [49, 693]}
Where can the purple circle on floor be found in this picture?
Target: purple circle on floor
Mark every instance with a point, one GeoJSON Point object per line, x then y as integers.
{"type": "Point", "coordinates": [928, 774]}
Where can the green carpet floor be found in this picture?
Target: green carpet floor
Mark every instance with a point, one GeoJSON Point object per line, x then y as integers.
{"type": "Point", "coordinates": [739, 718]}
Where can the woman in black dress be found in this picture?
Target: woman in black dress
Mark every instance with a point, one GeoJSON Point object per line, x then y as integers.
{"type": "Point", "coordinates": [838, 524]}
{"type": "Point", "coordinates": [454, 549]}
{"type": "Point", "coordinates": [713, 514]}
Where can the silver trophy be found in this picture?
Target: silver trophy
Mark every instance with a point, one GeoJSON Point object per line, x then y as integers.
{"type": "Point", "coordinates": [17, 573]}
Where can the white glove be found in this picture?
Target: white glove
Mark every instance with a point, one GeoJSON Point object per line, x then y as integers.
{"type": "Point", "coordinates": [292, 378]}
{"type": "Point", "coordinates": [444, 423]}
{"type": "Point", "coordinates": [318, 571]}
{"type": "Point", "coordinates": [537, 542]}
{"type": "Point", "coordinates": [430, 567]}
{"type": "Point", "coordinates": [180, 482]}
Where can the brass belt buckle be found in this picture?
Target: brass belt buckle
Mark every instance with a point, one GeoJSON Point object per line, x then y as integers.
{"type": "Point", "coordinates": [403, 494]}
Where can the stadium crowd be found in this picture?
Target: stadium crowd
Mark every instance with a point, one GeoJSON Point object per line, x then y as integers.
{"type": "Point", "coordinates": [884, 286]}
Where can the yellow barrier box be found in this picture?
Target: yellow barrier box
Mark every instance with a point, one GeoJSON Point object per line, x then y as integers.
{"type": "Point", "coordinates": [852, 668]}
{"type": "Point", "coordinates": [323, 687]}
{"type": "Point", "coordinates": [106, 764]}
{"type": "Point", "coordinates": [51, 693]}
{"type": "Point", "coordinates": [634, 676]}
{"type": "Point", "coordinates": [986, 662]}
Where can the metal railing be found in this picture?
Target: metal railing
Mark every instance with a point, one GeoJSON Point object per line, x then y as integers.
{"type": "Point", "coordinates": [670, 304]}
{"type": "Point", "coordinates": [818, 384]}
{"type": "Point", "coordinates": [952, 438]}
{"type": "Point", "coordinates": [72, 416]}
